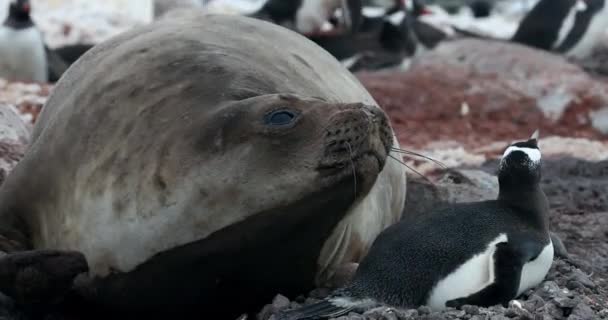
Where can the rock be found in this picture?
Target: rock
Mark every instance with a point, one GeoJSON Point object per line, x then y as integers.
{"type": "Point", "coordinates": [280, 302]}
{"type": "Point", "coordinates": [566, 303]}
{"type": "Point", "coordinates": [14, 137]}
{"type": "Point", "coordinates": [406, 314]}
{"type": "Point", "coordinates": [319, 293]}
{"type": "Point", "coordinates": [468, 185]}
{"type": "Point", "coordinates": [12, 126]}
{"type": "Point", "coordinates": [582, 312]}
{"type": "Point", "coordinates": [578, 277]}
{"type": "Point", "coordinates": [424, 310]}
{"type": "Point", "coordinates": [507, 87]}
{"type": "Point", "coordinates": [472, 310]}
{"type": "Point", "coordinates": [533, 303]}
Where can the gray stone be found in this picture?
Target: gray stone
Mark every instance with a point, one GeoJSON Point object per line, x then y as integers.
{"type": "Point", "coordinates": [472, 310]}
{"type": "Point", "coordinates": [566, 302]}
{"type": "Point", "coordinates": [406, 314]}
{"type": "Point", "coordinates": [582, 312]}
{"type": "Point", "coordinates": [578, 276]}
{"type": "Point", "coordinates": [266, 312]}
{"type": "Point", "coordinates": [424, 310]}
{"type": "Point", "coordinates": [533, 303]}
{"type": "Point", "coordinates": [280, 302]}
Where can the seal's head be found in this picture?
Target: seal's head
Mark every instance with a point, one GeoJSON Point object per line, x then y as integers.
{"type": "Point", "coordinates": [286, 144]}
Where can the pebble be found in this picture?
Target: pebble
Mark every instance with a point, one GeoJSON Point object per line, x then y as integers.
{"type": "Point", "coordinates": [424, 310]}
{"type": "Point", "coordinates": [280, 302]}
{"type": "Point", "coordinates": [407, 314]}
{"type": "Point", "coordinates": [566, 302]}
{"type": "Point", "coordinates": [319, 293]}
{"type": "Point", "coordinates": [582, 312]}
{"type": "Point", "coordinates": [577, 277]}
{"type": "Point", "coordinates": [472, 310]}
{"type": "Point", "coordinates": [533, 303]}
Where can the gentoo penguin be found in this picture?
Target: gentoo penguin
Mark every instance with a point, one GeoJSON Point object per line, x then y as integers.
{"type": "Point", "coordinates": [22, 49]}
{"type": "Point", "coordinates": [382, 41]}
{"type": "Point", "coordinates": [481, 8]}
{"type": "Point", "coordinates": [309, 16]}
{"type": "Point", "coordinates": [479, 253]}
{"type": "Point", "coordinates": [427, 35]}
{"type": "Point", "coordinates": [570, 27]}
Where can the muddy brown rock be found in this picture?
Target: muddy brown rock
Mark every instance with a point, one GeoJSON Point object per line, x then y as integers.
{"type": "Point", "coordinates": [481, 91]}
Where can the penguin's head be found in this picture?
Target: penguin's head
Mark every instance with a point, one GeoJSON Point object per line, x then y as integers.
{"type": "Point", "coordinates": [521, 162]}
{"type": "Point", "coordinates": [19, 10]}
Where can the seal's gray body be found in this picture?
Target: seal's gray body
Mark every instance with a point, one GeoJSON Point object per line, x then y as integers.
{"type": "Point", "coordinates": [129, 165]}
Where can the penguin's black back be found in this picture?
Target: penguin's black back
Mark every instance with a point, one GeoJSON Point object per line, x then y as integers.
{"type": "Point", "coordinates": [409, 258]}
{"type": "Point", "coordinates": [540, 28]}
{"type": "Point", "coordinates": [279, 10]}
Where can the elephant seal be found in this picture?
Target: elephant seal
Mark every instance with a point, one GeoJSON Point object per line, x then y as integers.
{"type": "Point", "coordinates": [203, 164]}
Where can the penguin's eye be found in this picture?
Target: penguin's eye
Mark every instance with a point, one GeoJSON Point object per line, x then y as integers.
{"type": "Point", "coordinates": [280, 117]}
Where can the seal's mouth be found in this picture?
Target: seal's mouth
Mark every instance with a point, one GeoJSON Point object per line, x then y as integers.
{"type": "Point", "coordinates": [348, 164]}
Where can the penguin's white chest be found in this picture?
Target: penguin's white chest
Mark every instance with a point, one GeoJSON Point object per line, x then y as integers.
{"type": "Point", "coordinates": [535, 270]}
{"type": "Point", "coordinates": [22, 55]}
{"type": "Point", "coordinates": [469, 278]}
{"type": "Point", "coordinates": [478, 272]}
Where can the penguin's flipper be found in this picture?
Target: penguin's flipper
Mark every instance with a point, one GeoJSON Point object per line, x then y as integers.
{"type": "Point", "coordinates": [508, 265]}
{"type": "Point", "coordinates": [320, 310]}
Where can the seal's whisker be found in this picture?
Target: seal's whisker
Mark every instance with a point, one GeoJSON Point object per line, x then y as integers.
{"type": "Point", "coordinates": [412, 153]}
{"type": "Point", "coordinates": [404, 164]}
{"type": "Point", "coordinates": [350, 150]}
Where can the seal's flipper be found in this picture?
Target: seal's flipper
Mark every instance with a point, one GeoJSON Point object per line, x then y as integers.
{"type": "Point", "coordinates": [320, 310]}
{"type": "Point", "coordinates": [508, 265]}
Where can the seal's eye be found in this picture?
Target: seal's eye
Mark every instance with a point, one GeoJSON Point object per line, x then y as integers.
{"type": "Point", "coordinates": [280, 117]}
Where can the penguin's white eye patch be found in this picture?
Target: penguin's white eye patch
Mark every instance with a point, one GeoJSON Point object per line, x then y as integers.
{"type": "Point", "coordinates": [533, 154]}
{"type": "Point", "coordinates": [396, 18]}
{"type": "Point", "coordinates": [581, 5]}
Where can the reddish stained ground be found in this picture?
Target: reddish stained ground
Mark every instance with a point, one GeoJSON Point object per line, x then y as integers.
{"type": "Point", "coordinates": [426, 107]}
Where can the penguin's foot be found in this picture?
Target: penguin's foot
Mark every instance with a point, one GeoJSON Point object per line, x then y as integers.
{"type": "Point", "coordinates": [40, 277]}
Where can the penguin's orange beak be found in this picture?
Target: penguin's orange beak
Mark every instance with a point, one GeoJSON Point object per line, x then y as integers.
{"type": "Point", "coordinates": [26, 7]}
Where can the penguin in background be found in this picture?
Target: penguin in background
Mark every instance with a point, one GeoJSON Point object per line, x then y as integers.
{"type": "Point", "coordinates": [478, 253]}
{"type": "Point", "coordinates": [23, 55]}
{"type": "Point", "coordinates": [570, 27]}
{"type": "Point", "coordinates": [382, 41]}
{"type": "Point", "coordinates": [309, 16]}
{"type": "Point", "coordinates": [428, 35]}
